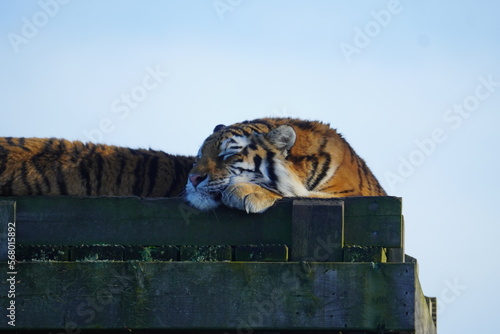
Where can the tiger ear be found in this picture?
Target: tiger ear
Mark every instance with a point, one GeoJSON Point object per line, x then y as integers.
{"type": "Point", "coordinates": [283, 137]}
{"type": "Point", "coordinates": [219, 127]}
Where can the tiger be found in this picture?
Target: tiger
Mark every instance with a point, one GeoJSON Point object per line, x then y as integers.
{"type": "Point", "coordinates": [58, 167]}
{"type": "Point", "coordinates": [252, 164]}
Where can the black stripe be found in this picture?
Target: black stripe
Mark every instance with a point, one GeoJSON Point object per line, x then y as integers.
{"type": "Point", "coordinates": [139, 172]}
{"type": "Point", "coordinates": [256, 123]}
{"type": "Point", "coordinates": [22, 142]}
{"type": "Point", "coordinates": [360, 175]}
{"type": "Point", "coordinates": [86, 167]}
{"type": "Point", "coordinates": [237, 131]}
{"type": "Point", "coordinates": [40, 162]}
{"type": "Point", "coordinates": [314, 162]}
{"type": "Point", "coordinates": [270, 169]}
{"type": "Point", "coordinates": [99, 173]}
{"type": "Point", "coordinates": [61, 183]}
{"type": "Point", "coordinates": [344, 191]}
{"type": "Point", "coordinates": [324, 168]}
{"type": "Point", "coordinates": [6, 189]}
{"type": "Point", "coordinates": [152, 175]}
{"type": "Point", "coordinates": [182, 166]}
{"type": "Point", "coordinates": [256, 128]}
{"type": "Point", "coordinates": [39, 190]}
{"type": "Point", "coordinates": [303, 125]}
{"type": "Point", "coordinates": [84, 172]}
{"type": "Point", "coordinates": [24, 179]}
{"type": "Point", "coordinates": [3, 159]}
{"type": "Point", "coordinates": [366, 174]}
{"type": "Point", "coordinates": [123, 163]}
{"type": "Point", "coordinates": [257, 160]}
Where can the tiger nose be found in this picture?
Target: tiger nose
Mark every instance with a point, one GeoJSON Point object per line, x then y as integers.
{"type": "Point", "coordinates": [196, 179]}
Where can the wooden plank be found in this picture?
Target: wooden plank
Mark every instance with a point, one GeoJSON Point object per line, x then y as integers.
{"type": "Point", "coordinates": [381, 231]}
{"type": "Point", "coordinates": [223, 295]}
{"type": "Point", "coordinates": [170, 221]}
{"type": "Point", "coordinates": [7, 224]}
{"type": "Point", "coordinates": [375, 221]}
{"type": "Point", "coordinates": [134, 221]}
{"type": "Point", "coordinates": [372, 206]}
{"type": "Point", "coordinates": [317, 231]}
{"type": "Point", "coordinates": [397, 254]}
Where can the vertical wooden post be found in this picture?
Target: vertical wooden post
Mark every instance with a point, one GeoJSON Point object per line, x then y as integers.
{"type": "Point", "coordinates": [398, 254]}
{"type": "Point", "coordinates": [317, 231]}
{"type": "Point", "coordinates": [7, 215]}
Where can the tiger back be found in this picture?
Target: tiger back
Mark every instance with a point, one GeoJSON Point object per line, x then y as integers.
{"type": "Point", "coordinates": [55, 167]}
{"type": "Point", "coordinates": [252, 164]}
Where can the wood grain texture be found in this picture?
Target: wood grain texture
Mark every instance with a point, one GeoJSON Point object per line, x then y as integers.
{"type": "Point", "coordinates": [224, 295]}
{"type": "Point", "coordinates": [317, 231]}
{"type": "Point", "coordinates": [74, 221]}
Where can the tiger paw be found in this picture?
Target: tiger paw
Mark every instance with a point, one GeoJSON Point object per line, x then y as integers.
{"type": "Point", "coordinates": [249, 197]}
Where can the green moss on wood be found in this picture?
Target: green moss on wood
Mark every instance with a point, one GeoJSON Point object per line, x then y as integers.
{"type": "Point", "coordinates": [273, 253]}
{"type": "Point", "coordinates": [206, 253]}
{"type": "Point", "coordinates": [151, 253]}
{"type": "Point", "coordinates": [364, 254]}
{"type": "Point", "coordinates": [93, 253]}
{"type": "Point", "coordinates": [42, 253]}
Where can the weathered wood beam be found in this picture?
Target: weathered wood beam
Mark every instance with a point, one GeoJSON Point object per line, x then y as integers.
{"type": "Point", "coordinates": [223, 295]}
{"type": "Point", "coordinates": [68, 221]}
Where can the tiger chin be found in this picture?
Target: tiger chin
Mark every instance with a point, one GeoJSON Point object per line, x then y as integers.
{"type": "Point", "coordinates": [250, 165]}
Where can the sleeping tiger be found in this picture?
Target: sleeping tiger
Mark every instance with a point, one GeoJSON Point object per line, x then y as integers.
{"type": "Point", "coordinates": [252, 164]}
{"type": "Point", "coordinates": [34, 166]}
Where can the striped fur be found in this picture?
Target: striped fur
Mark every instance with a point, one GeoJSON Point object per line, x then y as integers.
{"type": "Point", "coordinates": [53, 167]}
{"type": "Point", "coordinates": [250, 165]}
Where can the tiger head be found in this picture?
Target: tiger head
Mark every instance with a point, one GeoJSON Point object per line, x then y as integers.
{"type": "Point", "coordinates": [240, 155]}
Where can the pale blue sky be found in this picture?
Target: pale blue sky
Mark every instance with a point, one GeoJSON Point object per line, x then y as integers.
{"type": "Point", "coordinates": [69, 69]}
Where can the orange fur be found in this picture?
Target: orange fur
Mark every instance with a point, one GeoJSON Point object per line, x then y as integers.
{"type": "Point", "coordinates": [52, 167]}
{"type": "Point", "coordinates": [312, 158]}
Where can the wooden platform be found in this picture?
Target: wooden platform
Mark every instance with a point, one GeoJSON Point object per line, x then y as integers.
{"type": "Point", "coordinates": [157, 264]}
